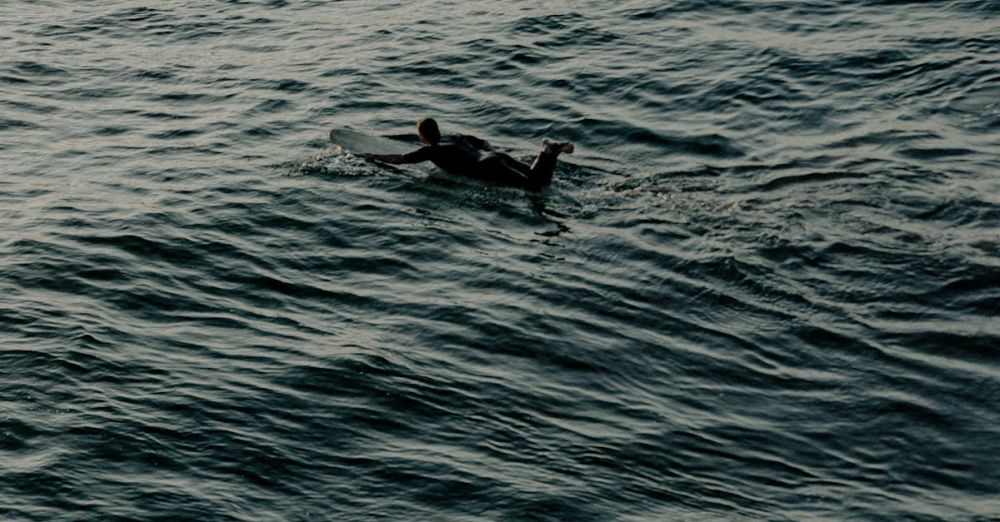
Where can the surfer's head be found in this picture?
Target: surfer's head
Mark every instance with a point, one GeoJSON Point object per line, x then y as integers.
{"type": "Point", "coordinates": [428, 130]}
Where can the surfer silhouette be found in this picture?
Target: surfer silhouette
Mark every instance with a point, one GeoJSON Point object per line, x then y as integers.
{"type": "Point", "coordinates": [473, 157]}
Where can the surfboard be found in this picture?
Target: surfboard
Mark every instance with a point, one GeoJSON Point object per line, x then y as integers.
{"type": "Point", "coordinates": [357, 142]}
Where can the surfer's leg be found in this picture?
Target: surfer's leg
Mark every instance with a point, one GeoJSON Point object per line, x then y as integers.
{"type": "Point", "coordinates": [545, 163]}
{"type": "Point", "coordinates": [501, 168]}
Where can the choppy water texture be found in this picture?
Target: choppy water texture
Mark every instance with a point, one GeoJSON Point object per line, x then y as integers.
{"type": "Point", "coordinates": [765, 286]}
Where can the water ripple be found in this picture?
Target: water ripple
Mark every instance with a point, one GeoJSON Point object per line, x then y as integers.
{"type": "Point", "coordinates": [764, 285]}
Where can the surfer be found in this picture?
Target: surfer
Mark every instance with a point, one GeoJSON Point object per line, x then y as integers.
{"type": "Point", "coordinates": [474, 157]}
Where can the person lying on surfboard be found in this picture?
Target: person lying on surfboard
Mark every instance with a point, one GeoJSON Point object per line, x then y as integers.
{"type": "Point", "coordinates": [473, 157]}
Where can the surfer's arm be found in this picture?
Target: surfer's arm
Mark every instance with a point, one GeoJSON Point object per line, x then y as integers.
{"type": "Point", "coordinates": [417, 156]}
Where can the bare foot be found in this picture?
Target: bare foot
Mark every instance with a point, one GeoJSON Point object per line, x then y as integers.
{"type": "Point", "coordinates": [555, 147]}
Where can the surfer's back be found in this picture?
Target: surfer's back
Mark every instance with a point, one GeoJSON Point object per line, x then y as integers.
{"type": "Point", "coordinates": [457, 154]}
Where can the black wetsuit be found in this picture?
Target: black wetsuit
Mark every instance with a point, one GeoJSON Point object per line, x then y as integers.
{"type": "Point", "coordinates": [469, 156]}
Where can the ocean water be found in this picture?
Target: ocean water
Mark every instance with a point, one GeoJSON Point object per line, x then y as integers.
{"type": "Point", "coordinates": [765, 286]}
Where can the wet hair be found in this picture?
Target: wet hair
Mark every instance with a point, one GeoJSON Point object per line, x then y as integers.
{"type": "Point", "coordinates": [428, 128]}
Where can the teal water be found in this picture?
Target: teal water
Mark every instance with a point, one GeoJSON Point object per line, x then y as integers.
{"type": "Point", "coordinates": [765, 286]}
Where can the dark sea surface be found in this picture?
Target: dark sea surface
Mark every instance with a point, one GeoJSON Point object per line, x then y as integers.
{"type": "Point", "coordinates": [765, 286]}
